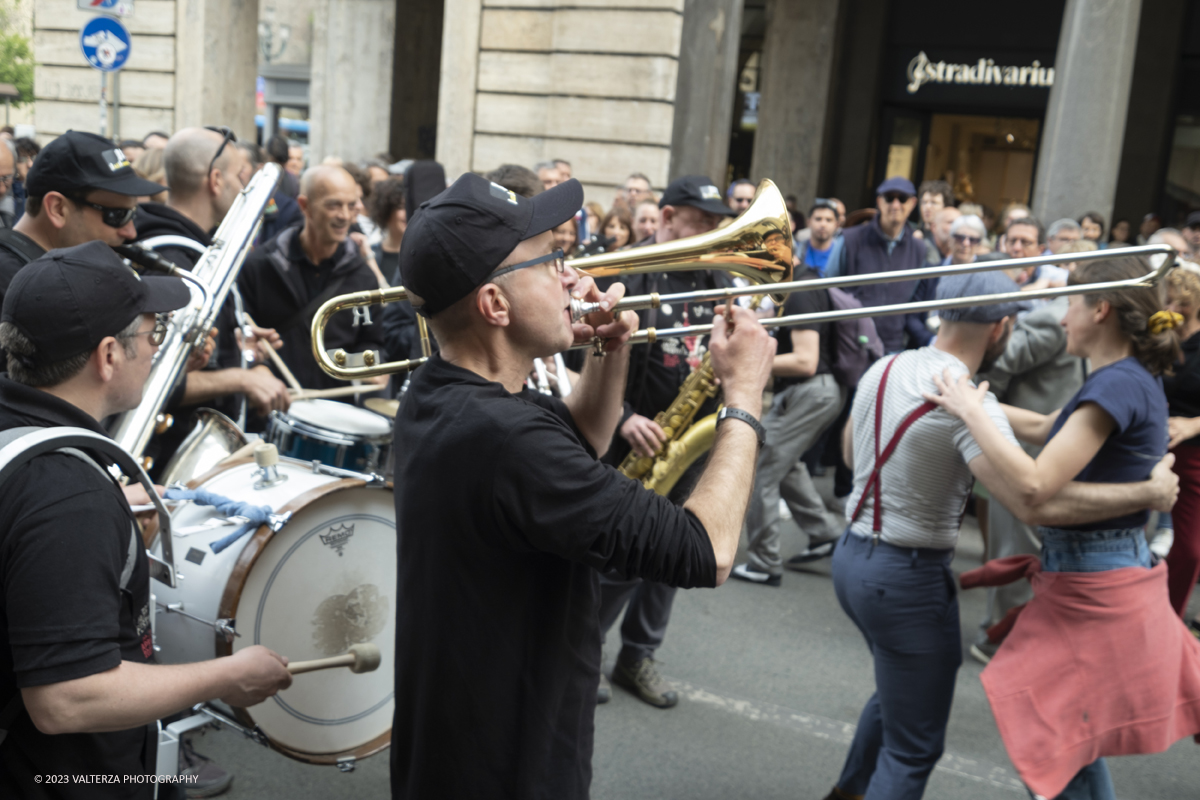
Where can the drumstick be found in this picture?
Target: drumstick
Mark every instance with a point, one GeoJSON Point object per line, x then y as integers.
{"type": "Point", "coordinates": [337, 391]}
{"type": "Point", "coordinates": [278, 362]}
{"type": "Point", "coordinates": [360, 658]}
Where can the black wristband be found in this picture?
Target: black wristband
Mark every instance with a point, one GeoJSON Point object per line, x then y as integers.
{"type": "Point", "coordinates": [746, 417]}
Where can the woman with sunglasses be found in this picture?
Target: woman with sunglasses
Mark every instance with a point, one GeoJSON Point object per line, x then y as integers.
{"type": "Point", "coordinates": [1097, 664]}
{"type": "Point", "coordinates": [966, 233]}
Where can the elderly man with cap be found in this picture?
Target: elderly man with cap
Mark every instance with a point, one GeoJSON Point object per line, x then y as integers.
{"type": "Point", "coordinates": [79, 690]}
{"type": "Point", "coordinates": [914, 466]}
{"type": "Point", "coordinates": [505, 516]}
{"type": "Point", "coordinates": [81, 188]}
{"type": "Point", "coordinates": [689, 206]}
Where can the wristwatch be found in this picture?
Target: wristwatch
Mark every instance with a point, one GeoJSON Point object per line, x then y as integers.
{"type": "Point", "coordinates": [746, 417]}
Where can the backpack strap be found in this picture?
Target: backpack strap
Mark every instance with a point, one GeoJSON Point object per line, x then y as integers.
{"type": "Point", "coordinates": [19, 446]}
{"type": "Point", "coordinates": [19, 246]}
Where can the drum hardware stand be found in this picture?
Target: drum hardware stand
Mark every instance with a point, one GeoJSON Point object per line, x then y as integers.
{"type": "Point", "coordinates": [266, 456]}
{"type": "Point", "coordinates": [346, 764]}
{"type": "Point", "coordinates": [223, 627]}
{"type": "Point", "coordinates": [373, 480]}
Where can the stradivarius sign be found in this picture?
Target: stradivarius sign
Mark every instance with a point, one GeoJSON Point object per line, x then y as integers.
{"type": "Point", "coordinates": [922, 70]}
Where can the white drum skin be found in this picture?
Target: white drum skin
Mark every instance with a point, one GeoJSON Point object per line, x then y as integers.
{"type": "Point", "coordinates": [325, 581]}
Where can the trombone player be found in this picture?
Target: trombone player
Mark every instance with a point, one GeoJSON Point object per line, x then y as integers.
{"type": "Point", "coordinates": [505, 515]}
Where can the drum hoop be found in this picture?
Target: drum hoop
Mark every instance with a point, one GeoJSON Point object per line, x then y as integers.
{"type": "Point", "coordinates": [380, 743]}
{"type": "Point", "coordinates": [330, 435]}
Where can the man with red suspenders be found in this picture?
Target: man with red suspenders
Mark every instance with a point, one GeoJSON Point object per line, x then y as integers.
{"type": "Point", "coordinates": [914, 466]}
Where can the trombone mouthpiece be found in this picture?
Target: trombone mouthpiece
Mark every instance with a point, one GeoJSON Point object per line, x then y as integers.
{"type": "Point", "coordinates": [581, 308]}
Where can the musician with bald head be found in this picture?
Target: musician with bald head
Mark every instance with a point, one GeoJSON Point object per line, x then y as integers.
{"type": "Point", "coordinates": [288, 278]}
{"type": "Point", "coordinates": [205, 172]}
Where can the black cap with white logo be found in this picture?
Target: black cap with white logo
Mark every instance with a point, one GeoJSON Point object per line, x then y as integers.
{"type": "Point", "coordinates": [78, 161]}
{"type": "Point", "coordinates": [68, 300]}
{"type": "Point", "coordinates": [458, 238]}
{"type": "Point", "coordinates": [696, 191]}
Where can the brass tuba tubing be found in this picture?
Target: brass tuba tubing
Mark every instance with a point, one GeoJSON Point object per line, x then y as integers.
{"type": "Point", "coordinates": [580, 309]}
{"type": "Point", "coordinates": [1148, 280]}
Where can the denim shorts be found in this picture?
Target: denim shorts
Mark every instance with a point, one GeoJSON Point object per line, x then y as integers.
{"type": "Point", "coordinates": [1093, 551]}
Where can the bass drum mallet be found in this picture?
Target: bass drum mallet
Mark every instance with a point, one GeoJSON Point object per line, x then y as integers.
{"type": "Point", "coordinates": [363, 657]}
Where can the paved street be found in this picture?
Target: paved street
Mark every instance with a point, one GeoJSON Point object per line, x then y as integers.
{"type": "Point", "coordinates": [772, 680]}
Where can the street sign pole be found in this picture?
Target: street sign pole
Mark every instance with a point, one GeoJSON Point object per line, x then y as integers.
{"type": "Point", "coordinates": [103, 105]}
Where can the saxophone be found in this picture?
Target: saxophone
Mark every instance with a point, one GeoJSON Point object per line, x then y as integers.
{"type": "Point", "coordinates": [685, 442]}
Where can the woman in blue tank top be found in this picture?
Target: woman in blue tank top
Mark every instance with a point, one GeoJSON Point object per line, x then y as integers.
{"type": "Point", "coordinates": [1114, 430]}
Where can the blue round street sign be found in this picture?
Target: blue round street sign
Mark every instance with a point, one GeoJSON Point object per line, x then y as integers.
{"type": "Point", "coordinates": [105, 44]}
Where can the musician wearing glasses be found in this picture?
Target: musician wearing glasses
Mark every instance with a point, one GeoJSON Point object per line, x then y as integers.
{"type": "Point", "coordinates": [505, 517]}
{"type": "Point", "coordinates": [81, 188]}
{"type": "Point", "coordinates": [288, 278]}
{"type": "Point", "coordinates": [79, 690]}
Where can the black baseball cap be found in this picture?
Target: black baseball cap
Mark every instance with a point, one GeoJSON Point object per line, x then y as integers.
{"type": "Point", "coordinates": [77, 161]}
{"type": "Point", "coordinates": [68, 300]}
{"type": "Point", "coordinates": [696, 191]}
{"type": "Point", "coordinates": [1193, 219]}
{"type": "Point", "coordinates": [460, 236]}
{"type": "Point", "coordinates": [978, 283]}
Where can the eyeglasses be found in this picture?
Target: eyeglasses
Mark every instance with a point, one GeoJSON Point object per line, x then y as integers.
{"type": "Point", "coordinates": [229, 137]}
{"type": "Point", "coordinates": [6, 180]}
{"type": "Point", "coordinates": [556, 257]}
{"type": "Point", "coordinates": [893, 197]}
{"type": "Point", "coordinates": [113, 217]}
{"type": "Point", "coordinates": [962, 238]}
{"type": "Point", "coordinates": [157, 334]}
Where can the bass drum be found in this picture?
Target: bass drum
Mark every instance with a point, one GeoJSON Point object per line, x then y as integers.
{"type": "Point", "coordinates": [323, 582]}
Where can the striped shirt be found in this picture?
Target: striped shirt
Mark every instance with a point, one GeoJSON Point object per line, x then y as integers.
{"type": "Point", "coordinates": [926, 482]}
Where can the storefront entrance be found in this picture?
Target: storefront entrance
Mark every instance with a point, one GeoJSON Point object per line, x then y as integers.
{"type": "Point", "coordinates": [989, 160]}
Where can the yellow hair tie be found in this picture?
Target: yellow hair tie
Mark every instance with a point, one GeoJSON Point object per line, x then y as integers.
{"type": "Point", "coordinates": [1164, 321]}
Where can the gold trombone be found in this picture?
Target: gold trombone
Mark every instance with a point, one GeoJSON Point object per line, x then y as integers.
{"type": "Point", "coordinates": [758, 246]}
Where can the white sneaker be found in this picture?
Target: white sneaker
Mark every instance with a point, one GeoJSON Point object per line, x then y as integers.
{"type": "Point", "coordinates": [1161, 541]}
{"type": "Point", "coordinates": [784, 511]}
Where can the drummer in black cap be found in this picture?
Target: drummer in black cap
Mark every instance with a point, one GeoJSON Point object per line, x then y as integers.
{"type": "Point", "coordinates": [81, 189]}
{"type": "Point", "coordinates": [79, 692]}
{"type": "Point", "coordinates": [504, 515]}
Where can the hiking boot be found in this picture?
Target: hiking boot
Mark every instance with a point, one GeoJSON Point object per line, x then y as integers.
{"type": "Point", "coordinates": [643, 680]}
{"type": "Point", "coordinates": [603, 691]}
{"type": "Point", "coordinates": [983, 652]}
{"type": "Point", "coordinates": [752, 574]}
{"type": "Point", "coordinates": [816, 550]}
{"type": "Point", "coordinates": [210, 780]}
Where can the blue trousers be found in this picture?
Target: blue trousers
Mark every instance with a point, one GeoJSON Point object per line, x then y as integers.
{"type": "Point", "coordinates": [905, 602]}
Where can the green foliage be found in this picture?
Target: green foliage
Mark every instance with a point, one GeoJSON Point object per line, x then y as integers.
{"type": "Point", "coordinates": [16, 65]}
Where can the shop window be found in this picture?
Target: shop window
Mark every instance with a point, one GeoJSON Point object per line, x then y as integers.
{"type": "Point", "coordinates": [1183, 170]}
{"type": "Point", "coordinates": [988, 160]}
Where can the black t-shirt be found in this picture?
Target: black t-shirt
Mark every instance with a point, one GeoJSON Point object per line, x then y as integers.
{"type": "Point", "coordinates": [807, 303]}
{"type": "Point", "coordinates": [505, 520]}
{"type": "Point", "coordinates": [65, 533]}
{"type": "Point", "coordinates": [11, 262]}
{"type": "Point", "coordinates": [1183, 388]}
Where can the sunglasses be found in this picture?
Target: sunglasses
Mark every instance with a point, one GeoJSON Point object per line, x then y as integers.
{"type": "Point", "coordinates": [117, 217]}
{"type": "Point", "coordinates": [894, 197]}
{"type": "Point", "coordinates": [157, 334]}
{"type": "Point", "coordinates": [823, 202]}
{"type": "Point", "coordinates": [229, 137]}
{"type": "Point", "coordinates": [964, 239]}
{"type": "Point", "coordinates": [556, 257]}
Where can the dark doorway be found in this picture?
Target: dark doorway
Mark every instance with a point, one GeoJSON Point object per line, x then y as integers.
{"type": "Point", "coordinates": [416, 69]}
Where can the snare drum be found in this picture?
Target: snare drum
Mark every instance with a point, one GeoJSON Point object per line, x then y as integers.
{"type": "Point", "coordinates": [333, 433]}
{"type": "Point", "coordinates": [325, 581]}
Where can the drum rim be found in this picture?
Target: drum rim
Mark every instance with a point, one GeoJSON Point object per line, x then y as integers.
{"type": "Point", "coordinates": [329, 435]}
{"type": "Point", "coordinates": [231, 597]}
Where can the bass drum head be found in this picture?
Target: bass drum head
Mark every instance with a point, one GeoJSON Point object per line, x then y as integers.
{"type": "Point", "coordinates": [326, 581]}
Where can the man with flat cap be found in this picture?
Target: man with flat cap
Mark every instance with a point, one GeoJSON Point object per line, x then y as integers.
{"type": "Point", "coordinates": [506, 517]}
{"type": "Point", "coordinates": [891, 568]}
{"type": "Point", "coordinates": [79, 690]}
